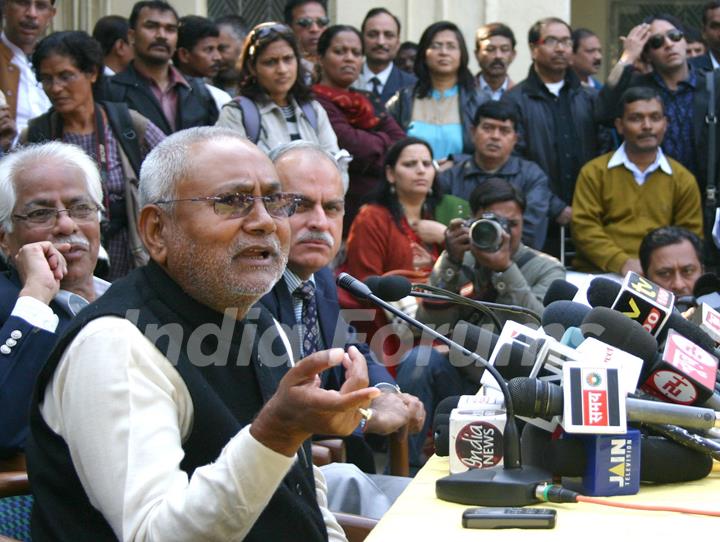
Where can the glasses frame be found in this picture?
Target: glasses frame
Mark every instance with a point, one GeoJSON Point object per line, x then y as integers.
{"type": "Point", "coordinates": [52, 220]}
{"type": "Point", "coordinates": [307, 22]}
{"type": "Point", "coordinates": [553, 42]}
{"type": "Point", "coordinates": [290, 206]}
{"type": "Point", "coordinates": [263, 31]}
{"type": "Point", "coordinates": [656, 41]}
{"type": "Point", "coordinates": [41, 7]}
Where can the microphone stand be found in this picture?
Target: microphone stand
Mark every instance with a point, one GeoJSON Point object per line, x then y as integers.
{"type": "Point", "coordinates": [513, 485]}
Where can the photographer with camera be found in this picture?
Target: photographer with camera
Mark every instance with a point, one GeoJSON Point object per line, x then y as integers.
{"type": "Point", "coordinates": [485, 259]}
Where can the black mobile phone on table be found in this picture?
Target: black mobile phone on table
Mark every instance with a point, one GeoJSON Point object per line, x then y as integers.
{"type": "Point", "coordinates": [508, 518]}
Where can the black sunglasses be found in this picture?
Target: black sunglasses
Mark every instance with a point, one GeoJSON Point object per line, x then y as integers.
{"type": "Point", "coordinates": [265, 30]}
{"type": "Point", "coordinates": [658, 40]}
{"type": "Point", "coordinates": [307, 22]}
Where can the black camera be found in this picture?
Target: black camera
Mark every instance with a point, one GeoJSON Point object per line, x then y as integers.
{"type": "Point", "coordinates": [486, 232]}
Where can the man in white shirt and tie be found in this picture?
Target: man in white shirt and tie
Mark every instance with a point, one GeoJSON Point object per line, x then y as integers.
{"type": "Point", "coordinates": [381, 41]}
{"type": "Point", "coordinates": [24, 23]}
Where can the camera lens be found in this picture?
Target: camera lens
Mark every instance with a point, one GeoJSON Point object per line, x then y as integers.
{"type": "Point", "coordinates": [486, 235]}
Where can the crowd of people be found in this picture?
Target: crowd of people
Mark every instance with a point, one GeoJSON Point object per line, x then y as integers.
{"type": "Point", "coordinates": [177, 195]}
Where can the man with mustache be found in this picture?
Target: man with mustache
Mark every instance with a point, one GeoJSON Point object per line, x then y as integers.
{"type": "Point", "coordinates": [150, 84]}
{"type": "Point", "coordinates": [50, 197]}
{"type": "Point", "coordinates": [622, 195]}
{"type": "Point", "coordinates": [381, 39]}
{"type": "Point", "coordinates": [494, 138]}
{"type": "Point", "coordinates": [24, 23]}
{"type": "Point", "coordinates": [495, 51]}
{"type": "Point", "coordinates": [198, 54]}
{"type": "Point", "coordinates": [316, 234]}
{"type": "Point", "coordinates": [176, 383]}
{"type": "Point", "coordinates": [587, 56]}
{"type": "Point", "coordinates": [659, 41]}
{"type": "Point", "coordinates": [556, 119]}
{"type": "Point", "coordinates": [233, 30]}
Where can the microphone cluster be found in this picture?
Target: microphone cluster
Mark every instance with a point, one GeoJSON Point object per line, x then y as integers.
{"type": "Point", "coordinates": [577, 381]}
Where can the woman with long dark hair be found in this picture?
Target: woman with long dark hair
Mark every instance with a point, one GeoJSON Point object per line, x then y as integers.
{"type": "Point", "coordinates": [403, 229]}
{"type": "Point", "coordinates": [69, 66]}
{"type": "Point", "coordinates": [274, 105]}
{"type": "Point", "coordinates": [441, 106]}
{"type": "Point", "coordinates": [360, 121]}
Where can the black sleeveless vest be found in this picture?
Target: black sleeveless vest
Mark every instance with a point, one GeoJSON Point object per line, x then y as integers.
{"type": "Point", "coordinates": [227, 391]}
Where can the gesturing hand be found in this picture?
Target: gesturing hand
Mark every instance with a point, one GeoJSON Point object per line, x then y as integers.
{"type": "Point", "coordinates": [300, 407]}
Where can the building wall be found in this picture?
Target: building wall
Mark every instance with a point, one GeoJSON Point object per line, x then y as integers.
{"type": "Point", "coordinates": [415, 14]}
{"type": "Point", "coordinates": [467, 14]}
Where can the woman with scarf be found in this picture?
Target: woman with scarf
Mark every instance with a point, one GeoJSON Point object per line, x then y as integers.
{"type": "Point", "coordinates": [361, 123]}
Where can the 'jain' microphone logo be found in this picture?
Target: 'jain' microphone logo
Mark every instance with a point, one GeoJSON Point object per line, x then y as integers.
{"type": "Point", "coordinates": [479, 445]}
{"type": "Point", "coordinates": [620, 471]}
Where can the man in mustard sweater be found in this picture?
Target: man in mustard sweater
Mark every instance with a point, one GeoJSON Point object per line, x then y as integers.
{"type": "Point", "coordinates": [622, 195]}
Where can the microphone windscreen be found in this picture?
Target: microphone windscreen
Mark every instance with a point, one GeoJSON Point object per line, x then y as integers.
{"type": "Point", "coordinates": [707, 284]}
{"type": "Point", "coordinates": [661, 460]}
{"type": "Point", "coordinates": [373, 282]}
{"type": "Point", "coordinates": [558, 316]}
{"type": "Point", "coordinates": [441, 424]}
{"type": "Point", "coordinates": [688, 330]}
{"type": "Point", "coordinates": [389, 288]}
{"type": "Point", "coordinates": [558, 290]}
{"type": "Point", "coordinates": [477, 339]}
{"type": "Point", "coordinates": [602, 292]}
{"type": "Point", "coordinates": [665, 462]}
{"type": "Point", "coordinates": [616, 329]}
{"type": "Point", "coordinates": [566, 457]}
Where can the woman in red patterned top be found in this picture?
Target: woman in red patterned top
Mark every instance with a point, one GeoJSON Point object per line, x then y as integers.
{"type": "Point", "coordinates": [360, 121]}
{"type": "Point", "coordinates": [398, 231]}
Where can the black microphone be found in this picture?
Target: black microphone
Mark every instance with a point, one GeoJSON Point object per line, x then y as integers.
{"type": "Point", "coordinates": [389, 288]}
{"type": "Point", "coordinates": [559, 290]}
{"type": "Point", "coordinates": [513, 485]}
{"type": "Point", "coordinates": [707, 290]}
{"type": "Point", "coordinates": [617, 330]}
{"type": "Point", "coordinates": [568, 457]}
{"type": "Point", "coordinates": [395, 287]}
{"type": "Point", "coordinates": [561, 315]}
{"type": "Point", "coordinates": [659, 371]}
{"type": "Point", "coordinates": [603, 292]}
{"type": "Point", "coordinates": [536, 398]}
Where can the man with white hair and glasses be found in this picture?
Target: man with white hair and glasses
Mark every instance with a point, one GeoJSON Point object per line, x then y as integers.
{"type": "Point", "coordinates": [170, 410]}
{"type": "Point", "coordinates": [50, 234]}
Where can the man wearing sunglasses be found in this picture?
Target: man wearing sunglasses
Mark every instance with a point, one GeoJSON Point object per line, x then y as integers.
{"type": "Point", "coordinates": [50, 233]}
{"type": "Point", "coordinates": [660, 42]}
{"type": "Point", "coordinates": [308, 19]}
{"type": "Point", "coordinates": [176, 383]}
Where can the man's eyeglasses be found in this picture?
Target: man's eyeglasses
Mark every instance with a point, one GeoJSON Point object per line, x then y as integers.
{"type": "Point", "coordinates": [552, 42]}
{"type": "Point", "coordinates": [41, 6]}
{"type": "Point", "coordinates": [279, 205]}
{"type": "Point", "coordinates": [307, 22]}
{"type": "Point", "coordinates": [80, 212]}
{"type": "Point", "coordinates": [658, 40]}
